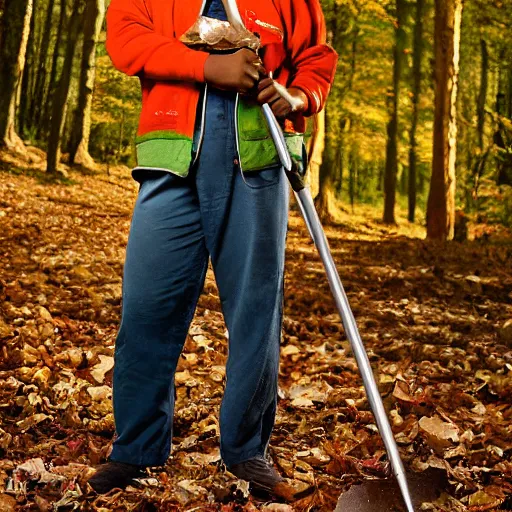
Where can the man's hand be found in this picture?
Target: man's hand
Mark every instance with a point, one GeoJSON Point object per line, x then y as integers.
{"type": "Point", "coordinates": [238, 71]}
{"type": "Point", "coordinates": [268, 93]}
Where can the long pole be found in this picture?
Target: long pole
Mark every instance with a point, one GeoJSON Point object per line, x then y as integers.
{"type": "Point", "coordinates": [310, 215]}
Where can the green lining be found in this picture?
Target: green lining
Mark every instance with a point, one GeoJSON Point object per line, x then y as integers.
{"type": "Point", "coordinates": [160, 134]}
{"type": "Point", "coordinates": [168, 150]}
{"type": "Point", "coordinates": [173, 154]}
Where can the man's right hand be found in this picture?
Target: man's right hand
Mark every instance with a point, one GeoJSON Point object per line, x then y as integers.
{"type": "Point", "coordinates": [238, 71]}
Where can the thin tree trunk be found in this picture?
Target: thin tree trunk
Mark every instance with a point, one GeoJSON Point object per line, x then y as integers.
{"type": "Point", "coordinates": [416, 91]}
{"type": "Point", "coordinates": [481, 158]}
{"type": "Point", "coordinates": [28, 76]}
{"type": "Point", "coordinates": [441, 200]}
{"type": "Point", "coordinates": [341, 156]}
{"type": "Point", "coordinates": [42, 72]}
{"type": "Point", "coordinates": [48, 97]}
{"type": "Point", "coordinates": [79, 145]}
{"type": "Point", "coordinates": [121, 137]}
{"type": "Point", "coordinates": [352, 183]}
{"type": "Point", "coordinates": [482, 95]}
{"type": "Point", "coordinates": [14, 35]}
{"type": "Point", "coordinates": [340, 159]}
{"type": "Point", "coordinates": [325, 198]}
{"type": "Point", "coordinates": [62, 92]}
{"type": "Point", "coordinates": [392, 128]}
{"type": "Point", "coordinates": [315, 151]}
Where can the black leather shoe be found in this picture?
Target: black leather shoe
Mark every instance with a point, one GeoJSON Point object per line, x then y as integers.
{"type": "Point", "coordinates": [115, 475]}
{"type": "Point", "coordinates": [259, 473]}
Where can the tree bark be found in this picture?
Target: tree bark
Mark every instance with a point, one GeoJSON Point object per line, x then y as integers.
{"type": "Point", "coordinates": [79, 145]}
{"type": "Point", "coordinates": [482, 95]}
{"type": "Point", "coordinates": [392, 128]}
{"type": "Point", "coordinates": [325, 198]}
{"type": "Point", "coordinates": [28, 76]}
{"type": "Point", "coordinates": [352, 177]}
{"type": "Point", "coordinates": [14, 33]}
{"type": "Point", "coordinates": [480, 159]}
{"type": "Point", "coordinates": [48, 97]}
{"type": "Point", "coordinates": [341, 156]}
{"type": "Point", "coordinates": [315, 148]}
{"type": "Point", "coordinates": [416, 92]}
{"type": "Point", "coordinates": [62, 93]}
{"type": "Point", "coordinates": [441, 200]}
{"type": "Point", "coordinates": [42, 73]}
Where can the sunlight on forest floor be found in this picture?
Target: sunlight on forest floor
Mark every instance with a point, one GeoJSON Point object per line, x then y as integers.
{"type": "Point", "coordinates": [366, 220]}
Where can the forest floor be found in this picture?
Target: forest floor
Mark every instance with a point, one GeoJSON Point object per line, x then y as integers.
{"type": "Point", "coordinates": [433, 317]}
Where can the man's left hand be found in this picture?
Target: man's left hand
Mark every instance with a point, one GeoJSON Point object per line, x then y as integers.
{"type": "Point", "coordinates": [268, 93]}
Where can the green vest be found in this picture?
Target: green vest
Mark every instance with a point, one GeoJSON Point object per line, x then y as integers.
{"type": "Point", "coordinates": [169, 151]}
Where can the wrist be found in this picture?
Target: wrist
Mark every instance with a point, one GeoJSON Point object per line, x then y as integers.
{"type": "Point", "coordinates": [199, 58]}
{"type": "Point", "coordinates": [209, 67]}
{"type": "Point", "coordinates": [300, 95]}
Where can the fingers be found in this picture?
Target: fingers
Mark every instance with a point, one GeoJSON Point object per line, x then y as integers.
{"type": "Point", "coordinates": [266, 82]}
{"type": "Point", "coordinates": [249, 79]}
{"type": "Point", "coordinates": [268, 95]}
{"type": "Point", "coordinates": [250, 57]}
{"type": "Point", "coordinates": [281, 108]}
{"type": "Point", "coordinates": [252, 72]}
{"type": "Point", "coordinates": [258, 64]}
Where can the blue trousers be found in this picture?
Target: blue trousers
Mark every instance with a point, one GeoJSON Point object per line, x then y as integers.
{"type": "Point", "coordinates": [177, 225]}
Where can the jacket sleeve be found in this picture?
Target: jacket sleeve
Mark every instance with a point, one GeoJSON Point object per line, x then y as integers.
{"type": "Point", "coordinates": [313, 62]}
{"type": "Point", "coordinates": [136, 49]}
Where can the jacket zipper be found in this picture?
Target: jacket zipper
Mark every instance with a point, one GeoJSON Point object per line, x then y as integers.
{"type": "Point", "coordinates": [203, 113]}
{"type": "Point", "coordinates": [236, 132]}
{"type": "Point", "coordinates": [203, 116]}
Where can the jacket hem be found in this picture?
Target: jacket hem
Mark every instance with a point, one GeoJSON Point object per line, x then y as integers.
{"type": "Point", "coordinates": [173, 154]}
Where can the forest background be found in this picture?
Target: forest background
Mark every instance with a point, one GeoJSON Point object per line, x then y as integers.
{"type": "Point", "coordinates": [408, 70]}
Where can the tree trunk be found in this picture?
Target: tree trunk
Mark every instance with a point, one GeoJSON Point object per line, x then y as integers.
{"type": "Point", "coordinates": [416, 91]}
{"type": "Point", "coordinates": [42, 73]}
{"type": "Point", "coordinates": [325, 198]}
{"type": "Point", "coordinates": [481, 157]}
{"type": "Point", "coordinates": [47, 99]}
{"type": "Point", "coordinates": [482, 95]}
{"type": "Point", "coordinates": [121, 137]}
{"type": "Point", "coordinates": [352, 178]}
{"type": "Point", "coordinates": [392, 128]}
{"type": "Point", "coordinates": [14, 34]}
{"type": "Point", "coordinates": [341, 155]}
{"type": "Point", "coordinates": [79, 145]}
{"type": "Point", "coordinates": [441, 200]}
{"type": "Point", "coordinates": [62, 92]}
{"type": "Point", "coordinates": [315, 148]}
{"type": "Point", "coordinates": [340, 159]}
{"type": "Point", "coordinates": [28, 76]}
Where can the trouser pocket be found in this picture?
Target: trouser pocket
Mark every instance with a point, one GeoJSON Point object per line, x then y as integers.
{"type": "Point", "coordinates": [262, 179]}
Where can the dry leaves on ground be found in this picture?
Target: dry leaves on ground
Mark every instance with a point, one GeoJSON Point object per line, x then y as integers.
{"type": "Point", "coordinates": [435, 319]}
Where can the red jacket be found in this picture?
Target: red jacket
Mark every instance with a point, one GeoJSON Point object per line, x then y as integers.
{"type": "Point", "coordinates": [143, 40]}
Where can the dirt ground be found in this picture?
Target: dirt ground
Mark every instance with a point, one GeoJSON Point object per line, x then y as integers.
{"type": "Point", "coordinates": [433, 318]}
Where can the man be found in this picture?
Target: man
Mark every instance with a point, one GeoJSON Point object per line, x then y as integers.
{"type": "Point", "coordinates": [211, 186]}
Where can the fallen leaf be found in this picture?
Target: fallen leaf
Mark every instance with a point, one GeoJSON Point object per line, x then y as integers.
{"type": "Point", "coordinates": [102, 368]}
{"type": "Point", "coordinates": [438, 433]}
